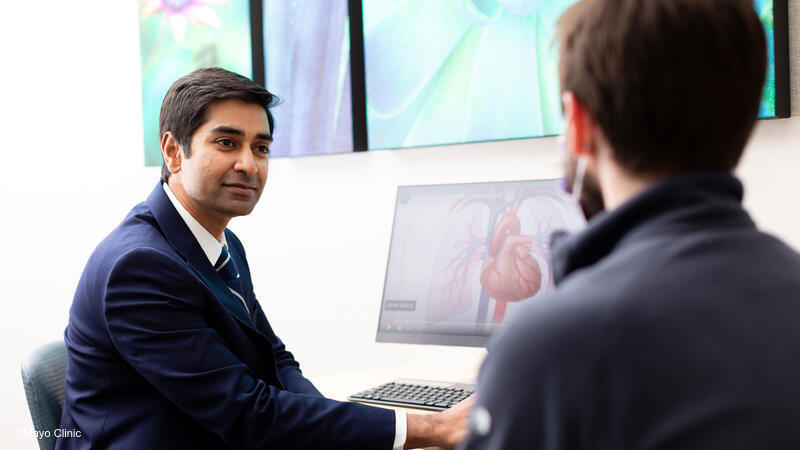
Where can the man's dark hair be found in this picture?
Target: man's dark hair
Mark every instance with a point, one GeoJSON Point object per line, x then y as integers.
{"type": "Point", "coordinates": [184, 107]}
{"type": "Point", "coordinates": [675, 85]}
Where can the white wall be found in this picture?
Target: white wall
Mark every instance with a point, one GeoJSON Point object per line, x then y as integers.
{"type": "Point", "coordinates": [73, 166]}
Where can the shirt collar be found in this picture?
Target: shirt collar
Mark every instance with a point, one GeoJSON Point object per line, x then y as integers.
{"type": "Point", "coordinates": [689, 200]}
{"type": "Point", "coordinates": [210, 245]}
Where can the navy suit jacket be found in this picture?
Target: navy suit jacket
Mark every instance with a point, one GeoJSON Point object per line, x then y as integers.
{"type": "Point", "coordinates": [162, 356]}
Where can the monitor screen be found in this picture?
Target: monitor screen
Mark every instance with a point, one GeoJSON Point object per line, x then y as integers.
{"type": "Point", "coordinates": [489, 71]}
{"type": "Point", "coordinates": [464, 258]}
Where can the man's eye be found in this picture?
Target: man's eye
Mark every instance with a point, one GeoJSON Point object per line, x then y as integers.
{"type": "Point", "coordinates": [225, 142]}
{"type": "Point", "coordinates": [263, 149]}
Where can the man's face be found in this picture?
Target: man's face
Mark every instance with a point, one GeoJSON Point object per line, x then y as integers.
{"type": "Point", "coordinates": [226, 172]}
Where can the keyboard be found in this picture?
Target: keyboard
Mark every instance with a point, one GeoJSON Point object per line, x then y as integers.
{"type": "Point", "coordinates": [422, 394]}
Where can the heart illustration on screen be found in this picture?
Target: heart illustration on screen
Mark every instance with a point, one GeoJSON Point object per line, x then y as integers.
{"type": "Point", "coordinates": [509, 271]}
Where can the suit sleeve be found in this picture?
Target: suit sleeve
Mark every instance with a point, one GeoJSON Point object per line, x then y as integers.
{"type": "Point", "coordinates": [153, 308]}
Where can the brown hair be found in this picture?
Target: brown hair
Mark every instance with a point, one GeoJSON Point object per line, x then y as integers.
{"type": "Point", "coordinates": [184, 106]}
{"type": "Point", "coordinates": [675, 85]}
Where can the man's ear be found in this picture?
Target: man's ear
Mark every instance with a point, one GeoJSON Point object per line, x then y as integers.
{"type": "Point", "coordinates": [172, 152]}
{"type": "Point", "coordinates": [581, 130]}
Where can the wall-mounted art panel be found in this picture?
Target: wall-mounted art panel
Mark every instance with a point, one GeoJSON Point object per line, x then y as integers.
{"type": "Point", "coordinates": [179, 36]}
{"type": "Point", "coordinates": [455, 71]}
{"type": "Point", "coordinates": [307, 65]}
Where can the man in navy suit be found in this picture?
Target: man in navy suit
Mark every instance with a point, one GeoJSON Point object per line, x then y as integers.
{"type": "Point", "coordinates": [167, 345]}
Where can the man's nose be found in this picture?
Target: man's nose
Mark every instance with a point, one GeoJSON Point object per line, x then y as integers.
{"type": "Point", "coordinates": [246, 162]}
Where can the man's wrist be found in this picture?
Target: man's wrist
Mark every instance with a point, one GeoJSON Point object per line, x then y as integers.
{"type": "Point", "coordinates": [424, 430]}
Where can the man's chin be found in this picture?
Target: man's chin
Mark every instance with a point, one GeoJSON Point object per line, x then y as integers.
{"type": "Point", "coordinates": [235, 210]}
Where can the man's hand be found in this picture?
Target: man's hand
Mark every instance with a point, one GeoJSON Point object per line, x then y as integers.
{"type": "Point", "coordinates": [446, 428]}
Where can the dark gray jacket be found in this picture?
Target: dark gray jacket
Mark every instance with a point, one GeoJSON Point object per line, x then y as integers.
{"type": "Point", "coordinates": [675, 325]}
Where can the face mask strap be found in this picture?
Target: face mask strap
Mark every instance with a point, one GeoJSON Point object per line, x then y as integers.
{"type": "Point", "coordinates": [580, 173]}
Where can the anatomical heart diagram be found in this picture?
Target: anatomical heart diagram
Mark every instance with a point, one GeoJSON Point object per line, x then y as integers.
{"type": "Point", "coordinates": [474, 252]}
{"type": "Point", "coordinates": [510, 272]}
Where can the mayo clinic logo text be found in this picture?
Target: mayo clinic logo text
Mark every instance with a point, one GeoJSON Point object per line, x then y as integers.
{"type": "Point", "coordinates": [57, 433]}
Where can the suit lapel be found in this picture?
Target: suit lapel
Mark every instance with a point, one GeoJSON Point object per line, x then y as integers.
{"type": "Point", "coordinates": [183, 241]}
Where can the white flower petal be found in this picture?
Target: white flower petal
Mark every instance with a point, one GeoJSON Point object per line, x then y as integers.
{"type": "Point", "coordinates": [203, 15]}
{"type": "Point", "coordinates": [177, 23]}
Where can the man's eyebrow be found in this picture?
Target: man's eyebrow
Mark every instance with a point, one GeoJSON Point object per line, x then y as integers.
{"type": "Point", "coordinates": [227, 130]}
{"type": "Point", "coordinates": [230, 130]}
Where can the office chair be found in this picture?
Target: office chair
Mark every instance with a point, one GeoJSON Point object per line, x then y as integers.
{"type": "Point", "coordinates": [43, 378]}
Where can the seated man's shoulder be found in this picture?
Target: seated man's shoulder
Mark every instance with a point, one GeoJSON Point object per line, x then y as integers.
{"type": "Point", "coordinates": [137, 240]}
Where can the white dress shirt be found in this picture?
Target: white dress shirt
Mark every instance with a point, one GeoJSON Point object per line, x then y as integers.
{"type": "Point", "coordinates": [210, 245]}
{"type": "Point", "coordinates": [213, 248]}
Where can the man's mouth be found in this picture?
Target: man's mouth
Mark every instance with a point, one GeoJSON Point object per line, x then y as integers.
{"type": "Point", "coordinates": [241, 188]}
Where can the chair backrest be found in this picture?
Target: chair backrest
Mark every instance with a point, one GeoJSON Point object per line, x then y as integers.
{"type": "Point", "coordinates": [43, 378]}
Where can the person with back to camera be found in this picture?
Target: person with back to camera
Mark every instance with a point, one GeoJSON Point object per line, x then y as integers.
{"type": "Point", "coordinates": [675, 323]}
{"type": "Point", "coordinates": [167, 346]}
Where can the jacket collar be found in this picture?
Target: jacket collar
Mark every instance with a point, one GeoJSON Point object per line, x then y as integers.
{"type": "Point", "coordinates": [694, 200]}
{"type": "Point", "coordinates": [172, 225]}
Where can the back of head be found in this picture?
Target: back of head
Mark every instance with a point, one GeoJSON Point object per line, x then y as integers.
{"type": "Point", "coordinates": [675, 85]}
{"type": "Point", "coordinates": [184, 106]}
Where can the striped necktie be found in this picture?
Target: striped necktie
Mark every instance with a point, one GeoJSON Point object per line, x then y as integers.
{"type": "Point", "coordinates": [226, 268]}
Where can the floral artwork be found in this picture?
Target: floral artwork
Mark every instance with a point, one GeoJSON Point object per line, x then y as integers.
{"type": "Point", "coordinates": [179, 36]}
{"type": "Point", "coordinates": [436, 71]}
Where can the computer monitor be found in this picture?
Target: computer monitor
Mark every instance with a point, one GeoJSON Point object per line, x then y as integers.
{"type": "Point", "coordinates": [463, 258]}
